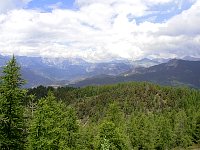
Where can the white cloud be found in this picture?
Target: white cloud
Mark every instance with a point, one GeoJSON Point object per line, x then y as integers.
{"type": "Point", "coordinates": [100, 30]}
{"type": "Point", "coordinates": [187, 23]}
{"type": "Point", "coordinates": [113, 2]}
{"type": "Point", "coordinates": [6, 5]}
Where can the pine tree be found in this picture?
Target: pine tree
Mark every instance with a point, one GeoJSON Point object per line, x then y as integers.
{"type": "Point", "coordinates": [11, 108]}
{"type": "Point", "coordinates": [111, 137]}
{"type": "Point", "coordinates": [53, 126]}
{"type": "Point", "coordinates": [183, 139]}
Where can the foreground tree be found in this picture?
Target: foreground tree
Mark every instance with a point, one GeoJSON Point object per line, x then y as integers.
{"type": "Point", "coordinates": [12, 129]}
{"type": "Point", "coordinates": [53, 126]}
{"type": "Point", "coordinates": [110, 137]}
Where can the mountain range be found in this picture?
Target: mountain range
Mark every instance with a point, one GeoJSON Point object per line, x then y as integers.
{"type": "Point", "coordinates": [174, 73]}
{"type": "Point", "coordinates": [61, 71]}
{"type": "Point", "coordinates": [78, 72]}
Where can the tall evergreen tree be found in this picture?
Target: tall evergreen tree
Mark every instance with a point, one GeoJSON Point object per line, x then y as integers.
{"type": "Point", "coordinates": [11, 108]}
{"type": "Point", "coordinates": [53, 126]}
{"type": "Point", "coordinates": [110, 137]}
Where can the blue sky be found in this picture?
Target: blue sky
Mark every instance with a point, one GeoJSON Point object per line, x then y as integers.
{"type": "Point", "coordinates": [100, 30]}
{"type": "Point", "coordinates": [167, 11]}
{"type": "Point", "coordinates": [44, 4]}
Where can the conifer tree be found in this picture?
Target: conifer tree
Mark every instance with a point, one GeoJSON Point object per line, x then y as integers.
{"type": "Point", "coordinates": [111, 137]}
{"type": "Point", "coordinates": [53, 126]}
{"type": "Point", "coordinates": [12, 127]}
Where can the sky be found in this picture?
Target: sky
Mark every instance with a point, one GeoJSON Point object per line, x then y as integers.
{"type": "Point", "coordinates": [100, 30]}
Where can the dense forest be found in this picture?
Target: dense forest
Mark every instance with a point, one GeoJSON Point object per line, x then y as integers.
{"type": "Point", "coordinates": [125, 116]}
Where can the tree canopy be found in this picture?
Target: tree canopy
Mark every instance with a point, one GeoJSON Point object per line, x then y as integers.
{"type": "Point", "coordinates": [12, 126]}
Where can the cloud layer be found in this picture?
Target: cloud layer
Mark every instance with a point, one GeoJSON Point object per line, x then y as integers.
{"type": "Point", "coordinates": [101, 30]}
{"type": "Point", "coordinates": [7, 5]}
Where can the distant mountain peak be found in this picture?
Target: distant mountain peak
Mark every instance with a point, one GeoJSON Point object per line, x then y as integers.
{"type": "Point", "coordinates": [173, 63]}
{"type": "Point", "coordinates": [175, 72]}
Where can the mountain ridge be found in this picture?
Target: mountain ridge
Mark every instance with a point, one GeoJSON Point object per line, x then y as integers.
{"type": "Point", "coordinates": [176, 72]}
{"type": "Point", "coordinates": [62, 71]}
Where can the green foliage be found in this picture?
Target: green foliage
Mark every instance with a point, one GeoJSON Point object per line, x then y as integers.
{"type": "Point", "coordinates": [143, 132]}
{"type": "Point", "coordinates": [12, 126]}
{"type": "Point", "coordinates": [197, 130]}
{"type": "Point", "coordinates": [165, 133]}
{"type": "Point", "coordinates": [130, 113]}
{"type": "Point", "coordinates": [110, 137]}
{"type": "Point", "coordinates": [105, 144]}
{"type": "Point", "coordinates": [86, 137]}
{"type": "Point", "coordinates": [53, 126]}
{"type": "Point", "coordinates": [40, 91]}
{"type": "Point", "coordinates": [183, 139]}
{"type": "Point", "coordinates": [114, 114]}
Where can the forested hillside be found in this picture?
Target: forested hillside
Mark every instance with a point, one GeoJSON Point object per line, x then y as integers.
{"type": "Point", "coordinates": [136, 115]}
{"type": "Point", "coordinates": [126, 116]}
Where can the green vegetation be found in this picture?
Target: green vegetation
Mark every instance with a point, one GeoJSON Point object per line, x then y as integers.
{"type": "Point", "coordinates": [124, 116]}
{"type": "Point", "coordinates": [12, 126]}
{"type": "Point", "coordinates": [53, 126]}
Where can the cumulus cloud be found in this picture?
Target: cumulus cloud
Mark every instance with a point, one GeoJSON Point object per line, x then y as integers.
{"type": "Point", "coordinates": [187, 23]}
{"type": "Point", "coordinates": [100, 30]}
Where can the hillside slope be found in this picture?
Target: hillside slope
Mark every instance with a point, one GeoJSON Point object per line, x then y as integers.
{"type": "Point", "coordinates": [133, 115]}
{"type": "Point", "coordinates": [175, 72]}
